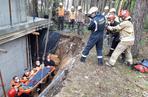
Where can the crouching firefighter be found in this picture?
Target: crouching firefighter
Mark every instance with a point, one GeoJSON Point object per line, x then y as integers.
{"type": "Point", "coordinates": [127, 38]}
{"type": "Point", "coordinates": [96, 26]}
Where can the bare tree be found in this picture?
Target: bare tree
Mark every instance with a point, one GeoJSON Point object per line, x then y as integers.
{"type": "Point", "coordinates": [138, 17]}
{"type": "Point", "coordinates": [34, 8]}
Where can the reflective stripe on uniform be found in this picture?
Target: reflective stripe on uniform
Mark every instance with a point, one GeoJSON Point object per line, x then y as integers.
{"type": "Point", "coordinates": [99, 56]}
{"type": "Point", "coordinates": [96, 27]}
{"type": "Point", "coordinates": [112, 49]}
{"type": "Point", "coordinates": [84, 55]}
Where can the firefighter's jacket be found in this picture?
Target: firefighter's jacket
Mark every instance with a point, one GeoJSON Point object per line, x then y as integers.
{"type": "Point", "coordinates": [126, 29]}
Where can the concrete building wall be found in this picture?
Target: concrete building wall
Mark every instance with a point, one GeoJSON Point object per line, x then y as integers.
{"type": "Point", "coordinates": [18, 10]}
{"type": "Point", "coordinates": [4, 13]}
{"type": "Point", "coordinates": [14, 61]}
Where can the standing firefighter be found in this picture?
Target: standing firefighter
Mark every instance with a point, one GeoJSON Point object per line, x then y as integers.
{"type": "Point", "coordinates": [72, 17]}
{"type": "Point", "coordinates": [106, 11]}
{"type": "Point", "coordinates": [126, 39]}
{"type": "Point", "coordinates": [97, 26]}
{"type": "Point", "coordinates": [113, 11]}
{"type": "Point", "coordinates": [80, 20]}
{"type": "Point", "coordinates": [114, 34]}
{"type": "Point", "coordinates": [60, 17]}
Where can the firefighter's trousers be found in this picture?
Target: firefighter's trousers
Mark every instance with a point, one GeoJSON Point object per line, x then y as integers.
{"type": "Point", "coordinates": [121, 47]}
{"type": "Point", "coordinates": [94, 40]}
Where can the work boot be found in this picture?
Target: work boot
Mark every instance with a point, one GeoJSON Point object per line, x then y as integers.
{"type": "Point", "coordinates": [108, 64]}
{"type": "Point", "coordinates": [83, 59]}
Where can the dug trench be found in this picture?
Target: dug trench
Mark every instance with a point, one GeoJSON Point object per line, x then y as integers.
{"type": "Point", "coordinates": [67, 47]}
{"type": "Point", "coordinates": [75, 79]}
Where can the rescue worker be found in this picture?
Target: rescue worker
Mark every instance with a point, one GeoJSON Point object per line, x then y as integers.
{"type": "Point", "coordinates": [60, 17]}
{"type": "Point", "coordinates": [72, 17]}
{"type": "Point", "coordinates": [26, 77]}
{"type": "Point", "coordinates": [15, 82]}
{"type": "Point", "coordinates": [113, 11]}
{"type": "Point", "coordinates": [114, 34]}
{"type": "Point", "coordinates": [106, 11]}
{"type": "Point", "coordinates": [97, 26]}
{"type": "Point", "coordinates": [127, 38]}
{"type": "Point", "coordinates": [80, 20]}
{"type": "Point", "coordinates": [108, 35]}
{"type": "Point", "coordinates": [49, 61]}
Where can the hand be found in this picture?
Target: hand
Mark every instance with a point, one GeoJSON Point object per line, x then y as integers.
{"type": "Point", "coordinates": [109, 28]}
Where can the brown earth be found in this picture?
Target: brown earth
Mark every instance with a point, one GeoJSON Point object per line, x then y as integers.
{"type": "Point", "coordinates": [90, 80]}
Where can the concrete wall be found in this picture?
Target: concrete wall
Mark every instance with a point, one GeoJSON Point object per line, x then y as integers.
{"type": "Point", "coordinates": [4, 13]}
{"type": "Point", "coordinates": [18, 9]}
{"type": "Point", "coordinates": [14, 61]}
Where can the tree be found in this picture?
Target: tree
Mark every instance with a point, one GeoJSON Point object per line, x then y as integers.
{"type": "Point", "coordinates": [138, 19]}
{"type": "Point", "coordinates": [34, 8]}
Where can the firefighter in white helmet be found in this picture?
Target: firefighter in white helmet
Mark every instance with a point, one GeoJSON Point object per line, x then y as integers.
{"type": "Point", "coordinates": [60, 12]}
{"type": "Point", "coordinates": [72, 17]}
{"type": "Point", "coordinates": [80, 17]}
{"type": "Point", "coordinates": [113, 11]}
{"type": "Point", "coordinates": [127, 38]}
{"type": "Point", "coordinates": [96, 26]}
{"type": "Point", "coordinates": [106, 11]}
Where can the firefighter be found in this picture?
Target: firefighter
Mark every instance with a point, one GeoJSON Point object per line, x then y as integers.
{"type": "Point", "coordinates": [15, 82]}
{"type": "Point", "coordinates": [114, 35]}
{"type": "Point", "coordinates": [60, 17]}
{"type": "Point", "coordinates": [72, 17]}
{"type": "Point", "coordinates": [97, 26]}
{"type": "Point", "coordinates": [127, 38]}
{"type": "Point", "coordinates": [49, 61]}
{"type": "Point", "coordinates": [109, 36]}
{"type": "Point", "coordinates": [80, 20]}
{"type": "Point", "coordinates": [106, 11]}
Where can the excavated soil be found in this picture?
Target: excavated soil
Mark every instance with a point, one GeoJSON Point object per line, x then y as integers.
{"type": "Point", "coordinates": [90, 80]}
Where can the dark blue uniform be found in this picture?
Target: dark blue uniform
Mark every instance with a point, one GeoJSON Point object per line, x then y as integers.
{"type": "Point", "coordinates": [97, 26]}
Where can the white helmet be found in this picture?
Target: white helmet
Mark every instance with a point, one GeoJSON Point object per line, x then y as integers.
{"type": "Point", "coordinates": [106, 7]}
{"type": "Point", "coordinates": [60, 3]}
{"type": "Point", "coordinates": [72, 7]}
{"type": "Point", "coordinates": [112, 10]}
{"type": "Point", "coordinates": [79, 7]}
{"type": "Point", "coordinates": [92, 10]}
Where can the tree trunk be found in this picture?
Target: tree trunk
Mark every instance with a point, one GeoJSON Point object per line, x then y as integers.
{"type": "Point", "coordinates": [138, 18]}
{"type": "Point", "coordinates": [35, 8]}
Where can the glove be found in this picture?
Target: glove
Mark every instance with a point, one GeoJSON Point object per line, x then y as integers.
{"type": "Point", "coordinates": [109, 28]}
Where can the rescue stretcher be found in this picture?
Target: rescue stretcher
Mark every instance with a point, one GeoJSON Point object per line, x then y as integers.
{"type": "Point", "coordinates": [34, 81]}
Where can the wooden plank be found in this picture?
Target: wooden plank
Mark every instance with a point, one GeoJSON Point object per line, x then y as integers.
{"type": "Point", "coordinates": [58, 79]}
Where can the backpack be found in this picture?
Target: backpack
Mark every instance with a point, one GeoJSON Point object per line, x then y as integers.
{"type": "Point", "coordinates": [142, 66]}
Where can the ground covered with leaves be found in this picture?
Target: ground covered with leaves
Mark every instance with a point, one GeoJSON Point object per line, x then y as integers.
{"type": "Point", "coordinates": [90, 80]}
